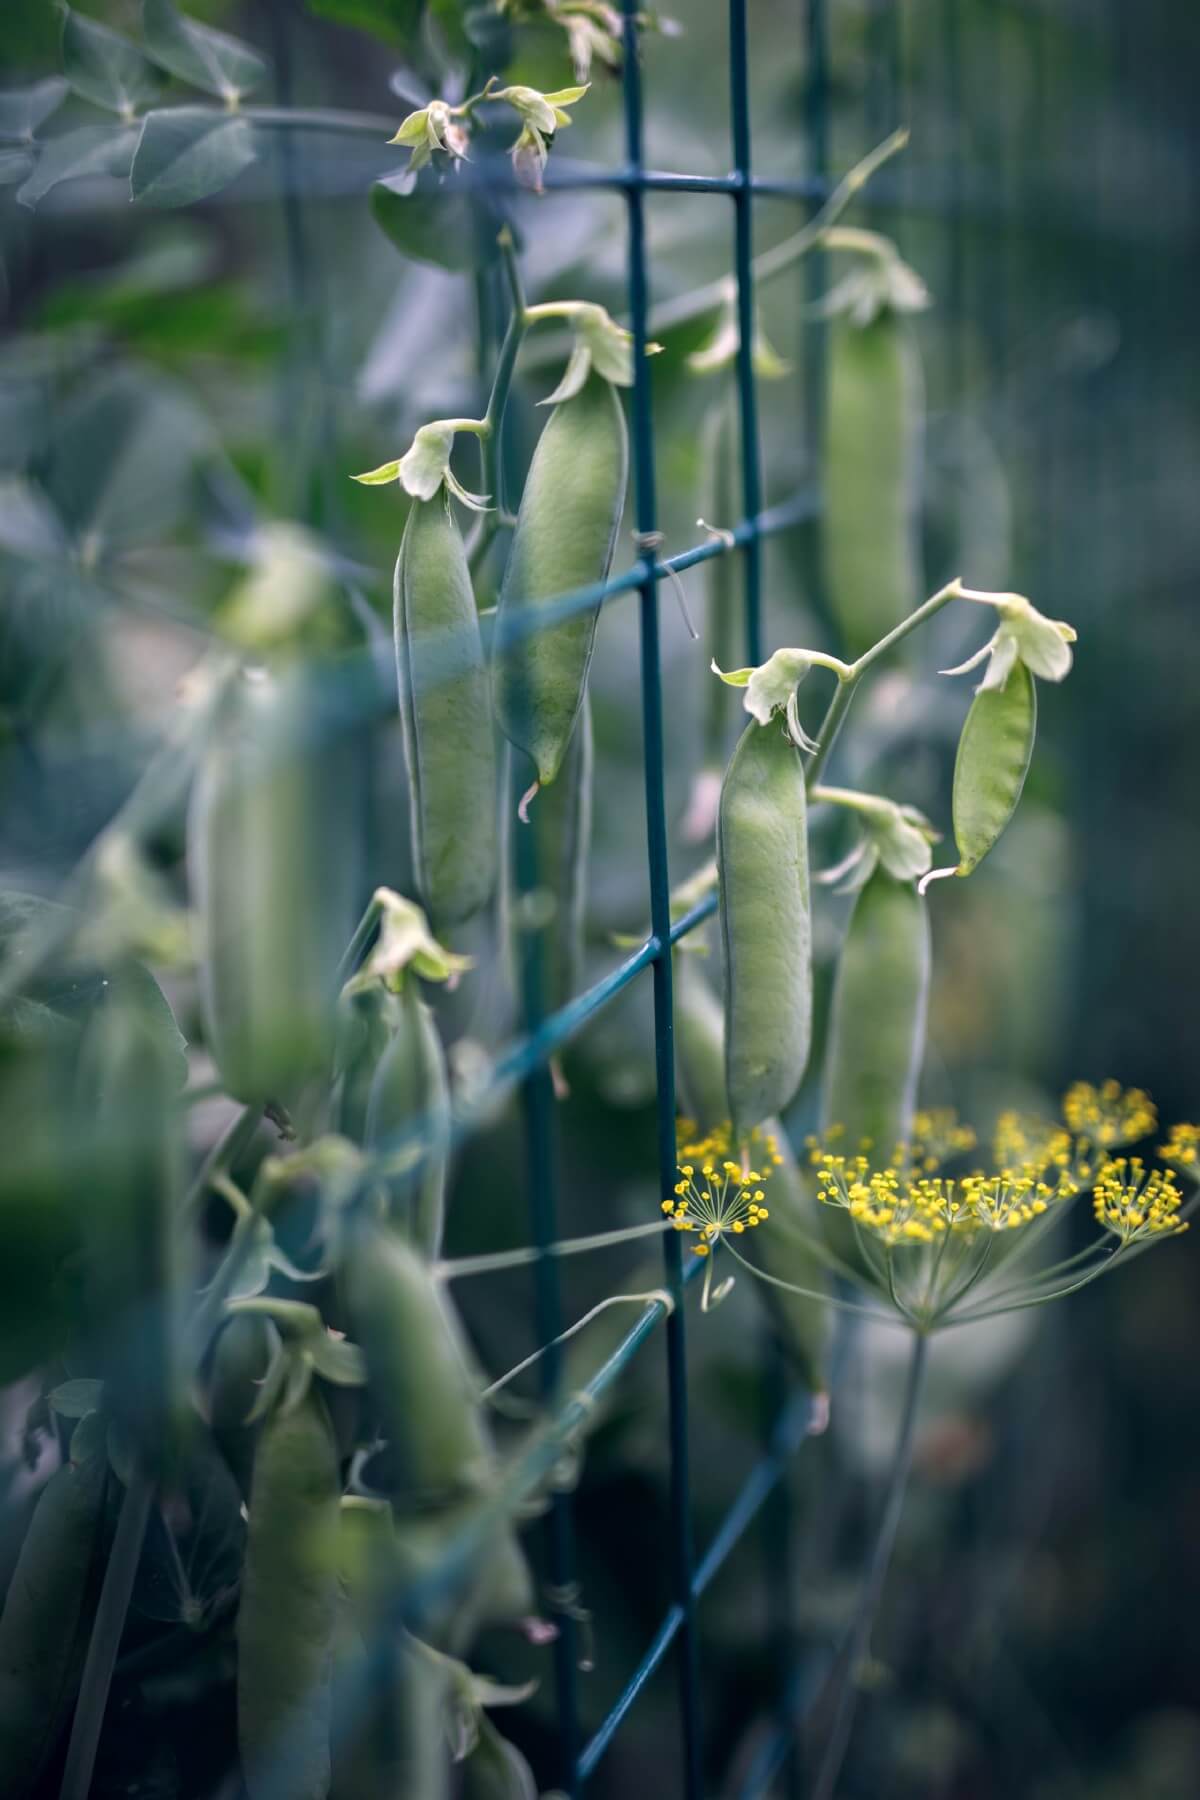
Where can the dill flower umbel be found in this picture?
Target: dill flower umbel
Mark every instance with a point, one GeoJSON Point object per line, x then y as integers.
{"type": "Point", "coordinates": [714, 1193]}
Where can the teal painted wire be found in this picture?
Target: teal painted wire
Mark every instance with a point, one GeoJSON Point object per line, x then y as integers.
{"type": "Point", "coordinates": [645, 511]}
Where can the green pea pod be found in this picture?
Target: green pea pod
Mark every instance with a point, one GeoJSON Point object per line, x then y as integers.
{"type": "Point", "coordinates": [495, 1769]}
{"type": "Point", "coordinates": [446, 714]}
{"type": "Point", "coordinates": [492, 1587]}
{"type": "Point", "coordinates": [272, 850]}
{"type": "Point", "coordinates": [366, 1021]}
{"type": "Point", "coordinates": [47, 1621]}
{"type": "Point", "coordinates": [288, 1612]}
{"type": "Point", "coordinates": [389, 1693]}
{"type": "Point", "coordinates": [994, 754]}
{"type": "Point", "coordinates": [134, 1281]}
{"type": "Point", "coordinates": [240, 1359]}
{"type": "Point", "coordinates": [410, 1090]}
{"type": "Point", "coordinates": [762, 862]}
{"type": "Point", "coordinates": [724, 623]}
{"type": "Point", "coordinates": [779, 1247]}
{"type": "Point", "coordinates": [418, 1368]}
{"type": "Point", "coordinates": [545, 926]}
{"type": "Point", "coordinates": [877, 1025]}
{"type": "Point", "coordinates": [565, 535]}
{"type": "Point", "coordinates": [870, 476]}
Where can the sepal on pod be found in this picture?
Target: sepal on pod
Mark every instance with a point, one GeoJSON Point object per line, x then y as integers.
{"type": "Point", "coordinates": [721, 348]}
{"type": "Point", "coordinates": [600, 344]}
{"type": "Point", "coordinates": [1024, 635]}
{"type": "Point", "coordinates": [425, 465]}
{"type": "Point", "coordinates": [306, 1347]}
{"type": "Point", "coordinates": [771, 687]}
{"type": "Point", "coordinates": [895, 837]}
{"type": "Point", "coordinates": [405, 941]}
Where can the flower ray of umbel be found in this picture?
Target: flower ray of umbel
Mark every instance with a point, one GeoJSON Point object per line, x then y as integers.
{"type": "Point", "coordinates": [717, 1195]}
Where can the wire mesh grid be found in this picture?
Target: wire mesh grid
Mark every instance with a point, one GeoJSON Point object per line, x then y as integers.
{"type": "Point", "coordinates": [526, 1062]}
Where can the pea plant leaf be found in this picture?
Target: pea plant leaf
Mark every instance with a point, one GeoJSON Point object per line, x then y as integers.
{"type": "Point", "coordinates": [105, 67]}
{"type": "Point", "coordinates": [186, 153]}
{"type": "Point", "coordinates": [207, 59]}
{"type": "Point", "coordinates": [88, 150]}
{"type": "Point", "coordinates": [14, 166]}
{"type": "Point", "coordinates": [22, 110]}
{"type": "Point", "coordinates": [434, 221]}
{"type": "Point", "coordinates": [393, 19]}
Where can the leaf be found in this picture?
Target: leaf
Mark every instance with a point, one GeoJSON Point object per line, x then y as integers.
{"type": "Point", "coordinates": [380, 477]}
{"type": "Point", "coordinates": [14, 166]}
{"type": "Point", "coordinates": [29, 525]}
{"type": "Point", "coordinates": [88, 150]}
{"type": "Point", "coordinates": [395, 19]}
{"type": "Point", "coordinates": [105, 67]}
{"type": "Point", "coordinates": [208, 59]}
{"type": "Point", "coordinates": [88, 1438]}
{"type": "Point", "coordinates": [22, 110]}
{"type": "Point", "coordinates": [186, 153]}
{"type": "Point", "coordinates": [436, 220]}
{"type": "Point", "coordinates": [75, 1399]}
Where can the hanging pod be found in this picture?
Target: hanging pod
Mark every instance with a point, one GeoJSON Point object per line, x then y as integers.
{"type": "Point", "coordinates": [238, 1365]}
{"type": "Point", "coordinates": [871, 475]}
{"type": "Point", "coordinates": [446, 715]}
{"type": "Point", "coordinates": [46, 1622]}
{"type": "Point", "coordinates": [410, 1097]}
{"type": "Point", "coordinates": [545, 889]}
{"type": "Point", "coordinates": [877, 1023]}
{"type": "Point", "coordinates": [564, 539]}
{"type": "Point", "coordinates": [725, 630]}
{"type": "Point", "coordinates": [994, 753]}
{"type": "Point", "coordinates": [779, 1247]}
{"type": "Point", "coordinates": [288, 1611]}
{"type": "Point", "coordinates": [762, 863]}
{"type": "Point", "coordinates": [272, 851]}
{"type": "Point", "coordinates": [134, 1281]}
{"type": "Point", "coordinates": [418, 1368]}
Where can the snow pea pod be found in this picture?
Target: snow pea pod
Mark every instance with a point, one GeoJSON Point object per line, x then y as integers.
{"type": "Point", "coordinates": [724, 623]}
{"type": "Point", "coordinates": [762, 862]}
{"type": "Point", "coordinates": [272, 853]}
{"type": "Point", "coordinates": [288, 1611]}
{"type": "Point", "coordinates": [779, 1248]}
{"type": "Point", "coordinates": [410, 1092]}
{"type": "Point", "coordinates": [994, 753]}
{"type": "Point", "coordinates": [564, 539]}
{"type": "Point", "coordinates": [46, 1622]}
{"type": "Point", "coordinates": [545, 926]}
{"type": "Point", "coordinates": [870, 476]}
{"type": "Point", "coordinates": [446, 715]}
{"type": "Point", "coordinates": [877, 1024]}
{"type": "Point", "coordinates": [418, 1368]}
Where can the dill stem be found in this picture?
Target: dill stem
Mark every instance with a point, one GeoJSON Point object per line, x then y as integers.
{"type": "Point", "coordinates": [845, 1692]}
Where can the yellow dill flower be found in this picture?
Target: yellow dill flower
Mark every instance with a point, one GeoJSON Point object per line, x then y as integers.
{"type": "Point", "coordinates": [1183, 1148]}
{"type": "Point", "coordinates": [1109, 1115]}
{"type": "Point", "coordinates": [717, 1193]}
{"type": "Point", "coordinates": [939, 1135]}
{"type": "Point", "coordinates": [1134, 1205]}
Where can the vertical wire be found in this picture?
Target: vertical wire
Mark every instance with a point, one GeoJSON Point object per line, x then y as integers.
{"type": "Point", "coordinates": [660, 912]}
{"type": "Point", "coordinates": [743, 216]}
{"type": "Point", "coordinates": [816, 123]}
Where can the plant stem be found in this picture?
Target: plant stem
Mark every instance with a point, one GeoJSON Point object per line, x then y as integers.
{"type": "Point", "coordinates": [845, 1692]}
{"type": "Point", "coordinates": [106, 1635]}
{"type": "Point", "coordinates": [224, 1153]}
{"type": "Point", "coordinates": [488, 524]}
{"type": "Point", "coordinates": [839, 706]}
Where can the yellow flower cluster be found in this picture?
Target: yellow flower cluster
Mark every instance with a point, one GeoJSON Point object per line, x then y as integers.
{"type": "Point", "coordinates": [1024, 1141]}
{"type": "Point", "coordinates": [938, 1134]}
{"type": "Point", "coordinates": [918, 1209]}
{"type": "Point", "coordinates": [721, 1195]}
{"type": "Point", "coordinates": [1109, 1115]}
{"type": "Point", "coordinates": [1182, 1147]}
{"type": "Point", "coordinates": [1133, 1205]}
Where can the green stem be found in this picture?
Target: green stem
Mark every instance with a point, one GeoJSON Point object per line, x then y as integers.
{"type": "Point", "coordinates": [790, 1287]}
{"type": "Point", "coordinates": [106, 1635]}
{"type": "Point", "coordinates": [488, 524]}
{"type": "Point", "coordinates": [839, 706]}
{"type": "Point", "coordinates": [845, 1691]}
{"type": "Point", "coordinates": [973, 1315]}
{"type": "Point", "coordinates": [364, 931]}
{"type": "Point", "coordinates": [224, 1153]}
{"type": "Point", "coordinates": [785, 255]}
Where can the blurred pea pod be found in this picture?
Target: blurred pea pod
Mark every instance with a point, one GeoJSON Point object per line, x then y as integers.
{"type": "Point", "coordinates": [545, 923]}
{"type": "Point", "coordinates": [446, 713]}
{"type": "Point", "coordinates": [272, 853]}
{"type": "Point", "coordinates": [288, 1611]}
{"type": "Point", "coordinates": [418, 1368]}
{"type": "Point", "coordinates": [877, 1024]}
{"type": "Point", "coordinates": [46, 1622]}
{"type": "Point", "coordinates": [410, 1090]}
{"type": "Point", "coordinates": [780, 1248]}
{"type": "Point", "coordinates": [239, 1363]}
{"type": "Point", "coordinates": [565, 535]}
{"type": "Point", "coordinates": [724, 623]}
{"type": "Point", "coordinates": [491, 1586]}
{"type": "Point", "coordinates": [389, 1692]}
{"type": "Point", "coordinates": [366, 1020]}
{"type": "Point", "coordinates": [496, 1769]}
{"type": "Point", "coordinates": [762, 862]}
{"type": "Point", "coordinates": [871, 467]}
{"type": "Point", "coordinates": [133, 1273]}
